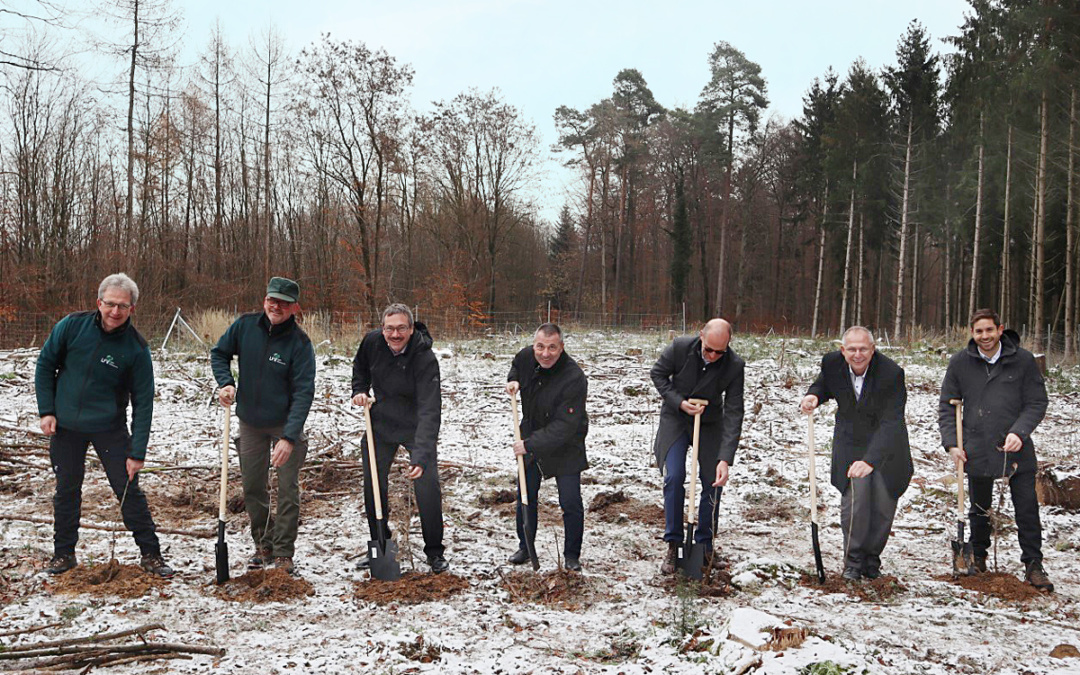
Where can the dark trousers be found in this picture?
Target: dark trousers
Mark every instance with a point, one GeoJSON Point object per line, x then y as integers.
{"type": "Point", "coordinates": [573, 510]}
{"type": "Point", "coordinates": [67, 452]}
{"type": "Point", "coordinates": [675, 495]}
{"type": "Point", "coordinates": [428, 498]}
{"type": "Point", "coordinates": [1025, 504]}
{"type": "Point", "coordinates": [866, 517]}
{"type": "Point", "coordinates": [276, 534]}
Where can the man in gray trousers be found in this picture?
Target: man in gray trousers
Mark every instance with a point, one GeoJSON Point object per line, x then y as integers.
{"type": "Point", "coordinates": [871, 458]}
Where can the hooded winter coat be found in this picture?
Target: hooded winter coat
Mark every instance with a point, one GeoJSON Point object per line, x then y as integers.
{"type": "Point", "coordinates": [871, 428]}
{"type": "Point", "coordinates": [681, 373]}
{"type": "Point", "coordinates": [554, 422]}
{"type": "Point", "coordinates": [408, 392]}
{"type": "Point", "coordinates": [1007, 397]}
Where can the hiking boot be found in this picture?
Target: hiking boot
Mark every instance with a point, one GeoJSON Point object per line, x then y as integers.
{"type": "Point", "coordinates": [980, 564]}
{"type": "Point", "coordinates": [364, 563]}
{"type": "Point", "coordinates": [1036, 576]}
{"type": "Point", "coordinates": [519, 557]}
{"type": "Point", "coordinates": [872, 573]}
{"type": "Point", "coordinates": [262, 558]}
{"type": "Point", "coordinates": [668, 567]}
{"type": "Point", "coordinates": [60, 563]}
{"type": "Point", "coordinates": [438, 564]}
{"type": "Point", "coordinates": [155, 564]}
{"type": "Point", "coordinates": [851, 573]}
{"type": "Point", "coordinates": [572, 564]}
{"type": "Point", "coordinates": [283, 562]}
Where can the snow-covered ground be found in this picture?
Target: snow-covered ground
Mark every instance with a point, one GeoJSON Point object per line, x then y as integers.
{"type": "Point", "coordinates": [632, 620]}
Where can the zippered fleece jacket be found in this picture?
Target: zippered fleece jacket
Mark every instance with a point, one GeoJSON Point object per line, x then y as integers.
{"type": "Point", "coordinates": [85, 376]}
{"type": "Point", "coordinates": [277, 372]}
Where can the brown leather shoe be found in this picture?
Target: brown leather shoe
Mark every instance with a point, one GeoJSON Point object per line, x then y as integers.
{"type": "Point", "coordinates": [60, 563]}
{"type": "Point", "coordinates": [980, 564]}
{"type": "Point", "coordinates": [155, 564]}
{"type": "Point", "coordinates": [1036, 576]}
{"type": "Point", "coordinates": [264, 557]}
{"type": "Point", "coordinates": [669, 560]}
{"type": "Point", "coordinates": [285, 563]}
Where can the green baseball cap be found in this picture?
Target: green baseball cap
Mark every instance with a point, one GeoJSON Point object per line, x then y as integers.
{"type": "Point", "coordinates": [283, 289]}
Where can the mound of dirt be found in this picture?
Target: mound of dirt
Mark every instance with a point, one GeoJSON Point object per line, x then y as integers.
{"type": "Point", "coordinates": [269, 585]}
{"type": "Point", "coordinates": [560, 588]}
{"type": "Point", "coordinates": [882, 589]}
{"type": "Point", "coordinates": [1065, 651]}
{"type": "Point", "coordinates": [715, 583]}
{"type": "Point", "coordinates": [1054, 492]}
{"type": "Point", "coordinates": [412, 588]}
{"type": "Point", "coordinates": [111, 579]}
{"type": "Point", "coordinates": [498, 497]}
{"type": "Point", "coordinates": [997, 584]}
{"type": "Point", "coordinates": [615, 506]}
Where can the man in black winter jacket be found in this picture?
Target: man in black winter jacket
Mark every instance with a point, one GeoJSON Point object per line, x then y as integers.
{"type": "Point", "coordinates": [1004, 397]}
{"type": "Point", "coordinates": [871, 456]}
{"type": "Point", "coordinates": [277, 387]}
{"type": "Point", "coordinates": [396, 362]}
{"type": "Point", "coordinates": [553, 429]}
{"type": "Point", "coordinates": [91, 366]}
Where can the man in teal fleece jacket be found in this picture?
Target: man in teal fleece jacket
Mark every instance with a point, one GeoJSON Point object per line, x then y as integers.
{"type": "Point", "coordinates": [92, 364]}
{"type": "Point", "coordinates": [277, 386]}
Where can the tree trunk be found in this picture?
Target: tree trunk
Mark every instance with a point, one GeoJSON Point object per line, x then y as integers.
{"type": "Point", "coordinates": [585, 238]}
{"type": "Point", "coordinates": [847, 249]}
{"type": "Point", "coordinates": [1040, 224]}
{"type": "Point", "coordinates": [859, 274]}
{"type": "Point", "coordinates": [915, 280]}
{"type": "Point", "coordinates": [947, 324]}
{"type": "Point", "coordinates": [821, 265]}
{"type": "Point", "coordinates": [902, 265]}
{"type": "Point", "coordinates": [724, 212]}
{"type": "Point", "coordinates": [131, 124]}
{"type": "Point", "coordinates": [1006, 243]}
{"type": "Point", "coordinates": [973, 291]}
{"type": "Point", "coordinates": [1070, 238]}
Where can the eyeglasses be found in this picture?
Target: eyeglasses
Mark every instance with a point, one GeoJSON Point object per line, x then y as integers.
{"type": "Point", "coordinates": [710, 350]}
{"type": "Point", "coordinates": [122, 306]}
{"type": "Point", "coordinates": [400, 330]}
{"type": "Point", "coordinates": [278, 302]}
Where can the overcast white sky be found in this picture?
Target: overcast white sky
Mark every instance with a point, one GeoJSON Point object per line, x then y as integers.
{"type": "Point", "coordinates": [543, 54]}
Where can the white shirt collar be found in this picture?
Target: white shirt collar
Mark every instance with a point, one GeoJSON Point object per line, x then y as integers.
{"type": "Point", "coordinates": [857, 381]}
{"type": "Point", "coordinates": [992, 359]}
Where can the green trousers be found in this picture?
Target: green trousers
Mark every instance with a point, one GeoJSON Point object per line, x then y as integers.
{"type": "Point", "coordinates": [277, 532]}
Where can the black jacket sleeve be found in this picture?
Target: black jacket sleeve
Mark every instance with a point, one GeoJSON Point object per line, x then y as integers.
{"type": "Point", "coordinates": [361, 370]}
{"type": "Point", "coordinates": [882, 444]}
{"type": "Point", "coordinates": [950, 389]}
{"type": "Point", "coordinates": [428, 411]}
{"type": "Point", "coordinates": [818, 388]}
{"type": "Point", "coordinates": [222, 354]}
{"type": "Point", "coordinates": [731, 426]}
{"type": "Point", "coordinates": [1034, 401]}
{"type": "Point", "coordinates": [302, 389]}
{"type": "Point", "coordinates": [661, 373]}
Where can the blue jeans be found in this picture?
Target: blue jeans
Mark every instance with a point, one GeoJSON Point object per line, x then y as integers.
{"type": "Point", "coordinates": [573, 509]}
{"type": "Point", "coordinates": [675, 495]}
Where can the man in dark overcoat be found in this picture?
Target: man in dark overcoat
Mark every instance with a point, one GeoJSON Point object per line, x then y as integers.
{"type": "Point", "coordinates": [871, 458]}
{"type": "Point", "coordinates": [1004, 399]}
{"type": "Point", "coordinates": [553, 428]}
{"type": "Point", "coordinates": [701, 367]}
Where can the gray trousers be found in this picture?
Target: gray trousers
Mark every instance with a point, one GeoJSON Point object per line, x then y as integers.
{"type": "Point", "coordinates": [866, 517]}
{"type": "Point", "coordinates": [278, 533]}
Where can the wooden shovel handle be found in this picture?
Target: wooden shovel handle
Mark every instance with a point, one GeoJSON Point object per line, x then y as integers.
{"type": "Point", "coordinates": [812, 466]}
{"type": "Point", "coordinates": [223, 497]}
{"type": "Point", "coordinates": [520, 459]}
{"type": "Point", "coordinates": [691, 510]}
{"type": "Point", "coordinates": [376, 491]}
{"type": "Point", "coordinates": [959, 405]}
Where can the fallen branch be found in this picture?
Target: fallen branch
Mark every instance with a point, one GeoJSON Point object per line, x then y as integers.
{"type": "Point", "coordinates": [98, 637]}
{"type": "Point", "coordinates": [42, 520]}
{"type": "Point", "coordinates": [32, 629]}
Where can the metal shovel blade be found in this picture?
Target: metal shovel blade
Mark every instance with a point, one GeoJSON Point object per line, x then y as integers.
{"type": "Point", "coordinates": [691, 560]}
{"type": "Point", "coordinates": [221, 554]}
{"type": "Point", "coordinates": [963, 557]}
{"type": "Point", "coordinates": [383, 557]}
{"type": "Point", "coordinates": [817, 553]}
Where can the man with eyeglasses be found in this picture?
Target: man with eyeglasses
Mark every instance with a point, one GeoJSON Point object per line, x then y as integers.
{"type": "Point", "coordinates": [553, 429]}
{"type": "Point", "coordinates": [274, 395]}
{"type": "Point", "coordinates": [397, 363]}
{"type": "Point", "coordinates": [871, 459]}
{"type": "Point", "coordinates": [90, 367]}
{"type": "Point", "coordinates": [701, 367]}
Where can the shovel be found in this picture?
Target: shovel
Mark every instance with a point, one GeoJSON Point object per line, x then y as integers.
{"type": "Point", "coordinates": [813, 500]}
{"type": "Point", "coordinates": [963, 558]}
{"type": "Point", "coordinates": [381, 553]}
{"type": "Point", "coordinates": [221, 549]}
{"type": "Point", "coordinates": [691, 558]}
{"type": "Point", "coordinates": [523, 495]}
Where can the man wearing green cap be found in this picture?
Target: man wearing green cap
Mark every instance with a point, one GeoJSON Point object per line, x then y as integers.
{"type": "Point", "coordinates": [277, 385]}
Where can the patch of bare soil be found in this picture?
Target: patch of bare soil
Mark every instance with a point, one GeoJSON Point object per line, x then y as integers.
{"type": "Point", "coordinates": [559, 588]}
{"type": "Point", "coordinates": [504, 503]}
{"type": "Point", "coordinates": [1054, 492]}
{"type": "Point", "coordinates": [997, 584]}
{"type": "Point", "coordinates": [617, 506]}
{"type": "Point", "coordinates": [882, 589]}
{"type": "Point", "coordinates": [1065, 651]}
{"type": "Point", "coordinates": [715, 582]}
{"type": "Point", "coordinates": [412, 588]}
{"type": "Point", "coordinates": [498, 497]}
{"type": "Point", "coordinates": [110, 579]}
{"type": "Point", "coordinates": [266, 585]}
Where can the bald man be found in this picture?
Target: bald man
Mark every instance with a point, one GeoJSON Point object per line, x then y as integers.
{"type": "Point", "coordinates": [701, 367]}
{"type": "Point", "coordinates": [871, 458]}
